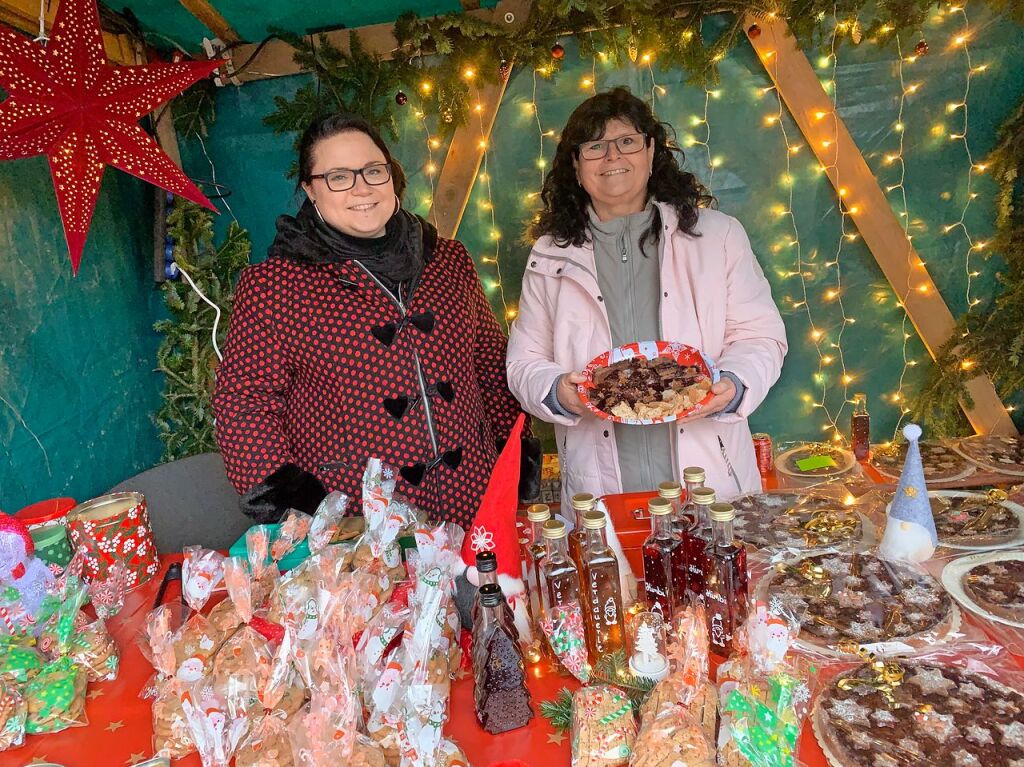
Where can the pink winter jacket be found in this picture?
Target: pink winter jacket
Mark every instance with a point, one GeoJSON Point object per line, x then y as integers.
{"type": "Point", "coordinates": [714, 297]}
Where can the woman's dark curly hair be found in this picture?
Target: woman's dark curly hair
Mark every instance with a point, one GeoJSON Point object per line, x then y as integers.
{"type": "Point", "coordinates": [565, 217]}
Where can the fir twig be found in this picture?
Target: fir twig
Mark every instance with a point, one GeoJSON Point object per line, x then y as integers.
{"type": "Point", "coordinates": [613, 669]}
{"type": "Point", "coordinates": [559, 710]}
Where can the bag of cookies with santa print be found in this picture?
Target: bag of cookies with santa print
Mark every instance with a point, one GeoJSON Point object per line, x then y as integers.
{"type": "Point", "coordinates": [12, 716]}
{"type": "Point", "coordinates": [763, 693]}
{"type": "Point", "coordinates": [217, 719]}
{"type": "Point", "coordinates": [202, 570]}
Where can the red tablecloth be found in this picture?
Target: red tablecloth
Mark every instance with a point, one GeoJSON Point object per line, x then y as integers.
{"type": "Point", "coordinates": [119, 733]}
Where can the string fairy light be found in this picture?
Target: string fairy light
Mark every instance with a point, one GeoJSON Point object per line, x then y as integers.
{"type": "Point", "coordinates": [496, 283]}
{"type": "Point", "coordinates": [961, 40]}
{"type": "Point", "coordinates": [803, 265]}
{"type": "Point", "coordinates": [898, 398]}
{"type": "Point", "coordinates": [845, 207]}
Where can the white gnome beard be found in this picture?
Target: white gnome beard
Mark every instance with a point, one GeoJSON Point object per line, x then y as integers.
{"type": "Point", "coordinates": [906, 541]}
{"type": "Point", "coordinates": [515, 594]}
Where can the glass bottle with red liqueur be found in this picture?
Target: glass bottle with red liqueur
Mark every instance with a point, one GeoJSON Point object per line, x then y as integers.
{"type": "Point", "coordinates": [537, 514]}
{"type": "Point", "coordinates": [683, 524]}
{"type": "Point", "coordinates": [860, 427]}
{"type": "Point", "coordinates": [561, 578]}
{"type": "Point", "coordinates": [664, 563]}
{"type": "Point", "coordinates": [725, 580]}
{"type": "Point", "coordinates": [581, 504]}
{"type": "Point", "coordinates": [487, 571]}
{"type": "Point", "coordinates": [602, 600]}
{"type": "Point", "coordinates": [699, 539]}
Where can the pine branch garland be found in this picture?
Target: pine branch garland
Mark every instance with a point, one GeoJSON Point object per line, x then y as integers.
{"type": "Point", "coordinates": [186, 356]}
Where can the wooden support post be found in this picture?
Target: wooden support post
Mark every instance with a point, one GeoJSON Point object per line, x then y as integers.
{"type": "Point", "coordinates": [827, 136]}
{"type": "Point", "coordinates": [210, 18]}
{"type": "Point", "coordinates": [23, 15]}
{"type": "Point", "coordinates": [466, 151]}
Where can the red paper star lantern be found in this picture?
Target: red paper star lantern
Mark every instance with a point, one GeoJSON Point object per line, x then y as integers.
{"type": "Point", "coordinates": [66, 102]}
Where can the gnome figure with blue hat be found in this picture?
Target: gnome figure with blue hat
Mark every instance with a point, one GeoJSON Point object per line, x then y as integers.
{"type": "Point", "coordinates": [910, 531]}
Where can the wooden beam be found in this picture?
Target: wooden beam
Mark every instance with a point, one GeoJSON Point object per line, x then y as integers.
{"type": "Point", "coordinates": [23, 15]}
{"type": "Point", "coordinates": [814, 112]}
{"type": "Point", "coordinates": [466, 151]}
{"type": "Point", "coordinates": [210, 18]}
{"type": "Point", "coordinates": [277, 57]}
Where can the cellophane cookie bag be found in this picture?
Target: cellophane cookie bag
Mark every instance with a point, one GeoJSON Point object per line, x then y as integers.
{"type": "Point", "coordinates": [763, 694]}
{"type": "Point", "coordinates": [13, 711]}
{"type": "Point", "coordinates": [678, 719]}
{"type": "Point", "coordinates": [603, 727]}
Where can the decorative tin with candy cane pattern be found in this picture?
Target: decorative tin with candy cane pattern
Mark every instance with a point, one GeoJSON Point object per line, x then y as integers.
{"type": "Point", "coordinates": [115, 528]}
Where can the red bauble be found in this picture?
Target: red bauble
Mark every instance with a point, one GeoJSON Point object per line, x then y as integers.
{"type": "Point", "coordinates": [401, 99]}
{"type": "Point", "coordinates": [753, 31]}
{"type": "Point", "coordinates": [67, 102]}
{"type": "Point", "coordinates": [922, 47]}
{"type": "Point", "coordinates": [11, 525]}
{"type": "Point", "coordinates": [558, 51]}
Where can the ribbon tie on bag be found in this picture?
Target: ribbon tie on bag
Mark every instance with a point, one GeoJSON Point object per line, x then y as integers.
{"type": "Point", "coordinates": [386, 333]}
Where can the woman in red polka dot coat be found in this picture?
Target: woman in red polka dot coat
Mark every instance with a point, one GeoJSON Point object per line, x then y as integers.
{"type": "Point", "coordinates": [364, 334]}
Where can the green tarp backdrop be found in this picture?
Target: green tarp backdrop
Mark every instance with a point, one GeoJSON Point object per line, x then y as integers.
{"type": "Point", "coordinates": [76, 376]}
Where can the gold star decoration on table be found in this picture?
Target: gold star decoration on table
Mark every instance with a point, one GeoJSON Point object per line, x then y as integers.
{"type": "Point", "coordinates": [94, 694]}
{"type": "Point", "coordinates": [39, 760]}
{"type": "Point", "coordinates": [67, 102]}
{"type": "Point", "coordinates": [461, 674]}
{"type": "Point", "coordinates": [115, 726]}
{"type": "Point", "coordinates": [556, 738]}
{"type": "Point", "coordinates": [135, 758]}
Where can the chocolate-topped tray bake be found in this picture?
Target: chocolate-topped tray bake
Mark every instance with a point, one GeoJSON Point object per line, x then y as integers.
{"type": "Point", "coordinates": [940, 462]}
{"type": "Point", "coordinates": [1003, 454]}
{"type": "Point", "coordinates": [642, 388]}
{"type": "Point", "coordinates": [849, 599]}
{"type": "Point", "coordinates": [798, 521]}
{"type": "Point", "coordinates": [998, 588]}
{"type": "Point", "coordinates": [976, 520]}
{"type": "Point", "coordinates": [915, 713]}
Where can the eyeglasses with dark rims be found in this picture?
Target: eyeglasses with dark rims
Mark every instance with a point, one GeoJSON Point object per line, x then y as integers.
{"type": "Point", "coordinates": [343, 179]}
{"type": "Point", "coordinates": [598, 149]}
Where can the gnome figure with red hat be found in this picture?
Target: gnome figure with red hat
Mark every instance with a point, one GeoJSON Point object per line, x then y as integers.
{"type": "Point", "coordinates": [29, 576]}
{"type": "Point", "coordinates": [494, 529]}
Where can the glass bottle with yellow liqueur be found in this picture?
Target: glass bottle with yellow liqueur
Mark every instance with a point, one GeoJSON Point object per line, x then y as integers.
{"type": "Point", "coordinates": [537, 514]}
{"type": "Point", "coordinates": [602, 600]}
{"type": "Point", "coordinates": [561, 578]}
{"type": "Point", "coordinates": [581, 504]}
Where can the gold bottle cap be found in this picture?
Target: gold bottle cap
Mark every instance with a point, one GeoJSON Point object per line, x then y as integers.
{"type": "Point", "coordinates": [658, 506]}
{"type": "Point", "coordinates": [704, 496]}
{"type": "Point", "coordinates": [670, 490]}
{"type": "Point", "coordinates": [538, 512]}
{"type": "Point", "coordinates": [722, 512]}
{"type": "Point", "coordinates": [594, 520]}
{"type": "Point", "coordinates": [553, 529]}
{"type": "Point", "coordinates": [694, 474]}
{"type": "Point", "coordinates": [583, 501]}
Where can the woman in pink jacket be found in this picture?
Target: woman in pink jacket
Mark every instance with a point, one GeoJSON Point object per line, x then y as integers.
{"type": "Point", "coordinates": [627, 250]}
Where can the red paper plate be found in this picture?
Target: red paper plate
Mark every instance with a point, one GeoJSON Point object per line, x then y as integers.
{"type": "Point", "coordinates": [680, 353]}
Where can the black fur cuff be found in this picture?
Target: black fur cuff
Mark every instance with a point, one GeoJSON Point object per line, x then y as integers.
{"type": "Point", "coordinates": [289, 487]}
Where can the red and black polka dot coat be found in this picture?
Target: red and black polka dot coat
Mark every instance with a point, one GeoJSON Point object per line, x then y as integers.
{"type": "Point", "coordinates": [305, 379]}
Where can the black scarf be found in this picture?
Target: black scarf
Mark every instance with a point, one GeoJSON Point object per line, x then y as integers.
{"type": "Point", "coordinates": [396, 257]}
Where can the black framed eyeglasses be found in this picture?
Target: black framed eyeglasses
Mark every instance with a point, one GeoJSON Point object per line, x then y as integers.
{"type": "Point", "coordinates": [343, 179]}
{"type": "Point", "coordinates": [598, 150]}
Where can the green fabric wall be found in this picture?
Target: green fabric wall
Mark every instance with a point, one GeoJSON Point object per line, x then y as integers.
{"type": "Point", "coordinates": [77, 387]}
{"type": "Point", "coordinates": [748, 185]}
